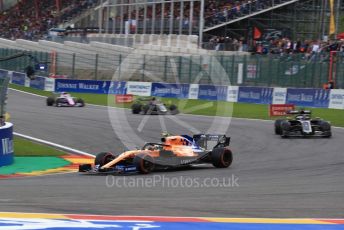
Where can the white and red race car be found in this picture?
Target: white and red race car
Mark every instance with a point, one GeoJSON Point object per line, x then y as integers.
{"type": "Point", "coordinates": [65, 100]}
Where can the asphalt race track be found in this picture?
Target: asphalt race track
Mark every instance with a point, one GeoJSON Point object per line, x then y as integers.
{"type": "Point", "coordinates": [275, 177]}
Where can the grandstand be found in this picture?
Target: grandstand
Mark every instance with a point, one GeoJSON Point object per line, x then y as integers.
{"type": "Point", "coordinates": [101, 33]}
{"type": "Point", "coordinates": [295, 19]}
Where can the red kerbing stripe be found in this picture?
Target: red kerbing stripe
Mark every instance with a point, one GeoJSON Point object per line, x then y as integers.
{"type": "Point", "coordinates": [138, 218]}
{"type": "Point", "coordinates": [334, 221]}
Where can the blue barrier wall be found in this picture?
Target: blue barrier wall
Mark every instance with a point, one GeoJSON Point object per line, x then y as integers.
{"type": "Point", "coordinates": [82, 86]}
{"type": "Point", "coordinates": [170, 90]}
{"type": "Point", "coordinates": [38, 83]}
{"type": "Point", "coordinates": [6, 144]}
{"type": "Point", "coordinates": [3, 73]}
{"type": "Point", "coordinates": [259, 95]}
{"type": "Point", "coordinates": [18, 78]}
{"type": "Point", "coordinates": [309, 97]}
{"type": "Point", "coordinates": [212, 92]}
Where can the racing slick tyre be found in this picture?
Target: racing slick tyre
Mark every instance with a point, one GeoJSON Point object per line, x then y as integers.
{"type": "Point", "coordinates": [58, 102]}
{"type": "Point", "coordinates": [136, 108]}
{"type": "Point", "coordinates": [284, 134]}
{"type": "Point", "coordinates": [146, 109]}
{"type": "Point", "coordinates": [81, 102]}
{"type": "Point", "coordinates": [50, 101]}
{"type": "Point", "coordinates": [221, 157]}
{"type": "Point", "coordinates": [326, 128]}
{"type": "Point", "coordinates": [144, 163]}
{"type": "Point", "coordinates": [103, 158]}
{"type": "Point", "coordinates": [173, 109]}
{"type": "Point", "coordinates": [278, 127]}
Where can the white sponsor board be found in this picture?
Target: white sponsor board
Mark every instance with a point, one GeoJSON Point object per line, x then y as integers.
{"type": "Point", "coordinates": [193, 91]}
{"type": "Point", "coordinates": [240, 73]}
{"type": "Point", "coordinates": [279, 96]}
{"type": "Point", "coordinates": [49, 84]}
{"type": "Point", "coordinates": [336, 99]}
{"type": "Point", "coordinates": [139, 88]}
{"type": "Point", "coordinates": [10, 74]}
{"type": "Point", "coordinates": [232, 93]}
{"type": "Point", "coordinates": [27, 82]}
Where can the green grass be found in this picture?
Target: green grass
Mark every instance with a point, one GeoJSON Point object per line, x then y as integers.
{"type": "Point", "coordinates": [23, 147]}
{"type": "Point", "coordinates": [202, 107]}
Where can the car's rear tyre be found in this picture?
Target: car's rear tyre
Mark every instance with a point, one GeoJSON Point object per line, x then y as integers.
{"type": "Point", "coordinates": [173, 109]}
{"type": "Point", "coordinates": [81, 102]}
{"type": "Point", "coordinates": [144, 163]}
{"type": "Point", "coordinates": [146, 109]}
{"type": "Point", "coordinates": [136, 108]}
{"type": "Point", "coordinates": [50, 101]}
{"type": "Point", "coordinates": [221, 157]}
{"type": "Point", "coordinates": [278, 127]}
{"type": "Point", "coordinates": [104, 158]}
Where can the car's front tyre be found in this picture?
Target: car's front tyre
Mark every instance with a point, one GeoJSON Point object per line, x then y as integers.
{"type": "Point", "coordinates": [103, 158]}
{"type": "Point", "coordinates": [144, 163]}
{"type": "Point", "coordinates": [50, 101]}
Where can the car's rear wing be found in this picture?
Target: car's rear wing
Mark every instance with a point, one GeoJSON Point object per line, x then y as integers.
{"type": "Point", "coordinates": [297, 112]}
{"type": "Point", "coordinates": [210, 141]}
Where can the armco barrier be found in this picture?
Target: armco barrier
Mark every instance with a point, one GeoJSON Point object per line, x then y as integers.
{"type": "Point", "coordinates": [6, 144]}
{"type": "Point", "coordinates": [319, 98]}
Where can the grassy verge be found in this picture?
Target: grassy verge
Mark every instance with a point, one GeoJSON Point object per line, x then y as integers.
{"type": "Point", "coordinates": [25, 148]}
{"type": "Point", "coordinates": [202, 107]}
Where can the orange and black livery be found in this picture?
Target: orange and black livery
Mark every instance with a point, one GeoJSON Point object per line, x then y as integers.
{"type": "Point", "coordinates": [173, 151]}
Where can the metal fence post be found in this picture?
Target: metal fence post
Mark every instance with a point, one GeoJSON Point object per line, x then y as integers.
{"type": "Point", "coordinates": [180, 69]}
{"type": "Point", "coordinates": [143, 67]}
{"type": "Point", "coordinates": [96, 68]}
{"type": "Point", "coordinates": [233, 68]}
{"type": "Point", "coordinates": [190, 69]}
{"type": "Point", "coordinates": [119, 66]}
{"type": "Point", "coordinates": [73, 65]}
{"type": "Point", "coordinates": [165, 69]}
{"type": "Point", "coordinates": [210, 69]}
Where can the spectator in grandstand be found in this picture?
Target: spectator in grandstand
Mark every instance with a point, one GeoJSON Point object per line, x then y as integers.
{"type": "Point", "coordinates": [27, 21]}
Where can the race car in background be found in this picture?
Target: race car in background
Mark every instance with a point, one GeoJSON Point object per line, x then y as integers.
{"type": "Point", "coordinates": [153, 106]}
{"type": "Point", "coordinates": [302, 125]}
{"type": "Point", "coordinates": [65, 100]}
{"type": "Point", "coordinates": [172, 152]}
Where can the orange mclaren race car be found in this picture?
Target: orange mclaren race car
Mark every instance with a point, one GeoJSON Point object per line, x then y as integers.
{"type": "Point", "coordinates": [171, 152]}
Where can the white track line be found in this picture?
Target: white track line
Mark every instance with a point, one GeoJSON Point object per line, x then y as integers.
{"type": "Point", "coordinates": [195, 115]}
{"type": "Point", "coordinates": [17, 90]}
{"type": "Point", "coordinates": [53, 144]}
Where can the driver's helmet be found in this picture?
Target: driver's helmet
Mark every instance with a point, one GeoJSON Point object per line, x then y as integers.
{"type": "Point", "coordinates": [65, 94]}
{"type": "Point", "coordinates": [299, 117]}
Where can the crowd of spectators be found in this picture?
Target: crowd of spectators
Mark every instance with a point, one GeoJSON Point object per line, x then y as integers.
{"type": "Point", "coordinates": [31, 20]}
{"type": "Point", "coordinates": [218, 12]}
{"type": "Point", "coordinates": [310, 49]}
{"type": "Point", "coordinates": [220, 43]}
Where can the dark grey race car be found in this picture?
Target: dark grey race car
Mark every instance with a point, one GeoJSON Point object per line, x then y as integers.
{"type": "Point", "coordinates": [153, 106]}
{"type": "Point", "coordinates": [302, 125]}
